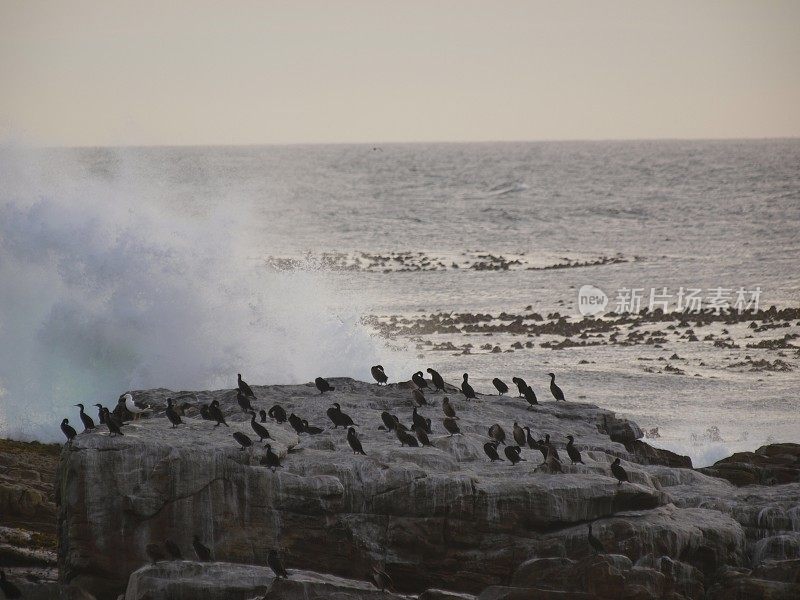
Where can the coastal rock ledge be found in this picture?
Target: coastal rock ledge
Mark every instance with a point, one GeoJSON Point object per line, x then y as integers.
{"type": "Point", "coordinates": [442, 521]}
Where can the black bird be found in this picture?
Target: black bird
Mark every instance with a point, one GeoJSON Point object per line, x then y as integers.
{"type": "Point", "coordinates": [512, 454]}
{"type": "Point", "coordinates": [243, 401]}
{"type": "Point", "coordinates": [202, 552]}
{"type": "Point", "coordinates": [497, 434]}
{"type": "Point", "coordinates": [173, 550]}
{"type": "Point", "coordinates": [388, 420]}
{"type": "Point", "coordinates": [419, 380]}
{"type": "Point", "coordinates": [596, 544]}
{"type": "Point", "coordinates": [406, 439]}
{"type": "Point", "coordinates": [419, 397]}
{"type": "Point", "coordinates": [491, 451]}
{"type": "Point", "coordinates": [270, 459]}
{"type": "Point", "coordinates": [245, 389]}
{"type": "Point", "coordinates": [155, 553]}
{"type": "Point", "coordinates": [112, 423]}
{"type": "Point", "coordinates": [398, 425]}
{"type": "Point", "coordinates": [204, 412]}
{"type": "Point", "coordinates": [215, 413]}
{"type": "Point", "coordinates": [499, 385]}
{"type": "Point", "coordinates": [530, 396]}
{"type": "Point", "coordinates": [310, 429]}
{"type": "Point", "coordinates": [68, 430]}
{"type": "Point", "coordinates": [100, 414]}
{"type": "Point", "coordinates": [466, 388]}
{"type": "Point", "coordinates": [551, 449]}
{"type": "Point", "coordinates": [573, 453]}
{"type": "Point", "coordinates": [379, 374]}
{"type": "Point", "coordinates": [9, 589]}
{"type": "Point", "coordinates": [451, 426]}
{"type": "Point", "coordinates": [276, 565]}
{"type": "Point", "coordinates": [521, 385]}
{"type": "Point", "coordinates": [448, 409]}
{"type": "Point", "coordinates": [260, 430]}
{"type": "Point", "coordinates": [336, 415]}
{"type": "Point", "coordinates": [354, 442]}
{"type": "Point", "coordinates": [88, 424]}
{"type": "Point", "coordinates": [554, 389]}
{"type": "Point", "coordinates": [262, 414]}
{"type": "Point", "coordinates": [381, 579]}
{"type": "Point", "coordinates": [436, 379]}
{"type": "Point", "coordinates": [172, 414]}
{"type": "Point", "coordinates": [422, 437]}
{"type": "Point", "coordinates": [277, 414]}
{"type": "Point", "coordinates": [618, 472]}
{"type": "Point", "coordinates": [323, 386]}
{"type": "Point", "coordinates": [297, 423]}
{"type": "Point", "coordinates": [243, 439]}
{"type": "Point", "coordinates": [419, 422]}
{"type": "Point", "coordinates": [532, 443]}
{"type": "Point", "coordinates": [519, 434]}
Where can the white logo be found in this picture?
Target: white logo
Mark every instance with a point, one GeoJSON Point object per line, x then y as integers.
{"type": "Point", "coordinates": [591, 300]}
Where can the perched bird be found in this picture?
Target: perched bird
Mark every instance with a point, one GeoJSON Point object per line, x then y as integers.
{"type": "Point", "coordinates": [68, 430]}
{"type": "Point", "coordinates": [172, 414]}
{"type": "Point", "coordinates": [551, 449]}
{"type": "Point", "coordinates": [519, 435]}
{"type": "Point", "coordinates": [552, 461]}
{"type": "Point", "coordinates": [398, 425]}
{"type": "Point", "coordinates": [10, 590]}
{"type": "Point", "coordinates": [491, 451]}
{"type": "Point", "coordinates": [202, 552]}
{"type": "Point", "coordinates": [310, 429]}
{"type": "Point", "coordinates": [204, 412]}
{"type": "Point", "coordinates": [270, 459]}
{"type": "Point", "coordinates": [87, 421]}
{"type": "Point", "coordinates": [389, 420]}
{"type": "Point", "coordinates": [100, 414]}
{"type": "Point", "coordinates": [381, 579]}
{"type": "Point", "coordinates": [512, 454]}
{"type": "Point", "coordinates": [215, 414]}
{"type": "Point", "coordinates": [554, 389]}
{"type": "Point", "coordinates": [297, 423]}
{"type": "Point", "coordinates": [620, 473]}
{"type": "Point", "coordinates": [243, 439]}
{"type": "Point", "coordinates": [277, 414]}
{"type": "Point", "coordinates": [466, 388]}
{"type": "Point", "coordinates": [243, 387]}
{"type": "Point", "coordinates": [422, 437]}
{"type": "Point", "coordinates": [323, 385]}
{"type": "Point", "coordinates": [132, 408]}
{"type": "Point", "coordinates": [530, 396]}
{"type": "Point", "coordinates": [596, 544]}
{"type": "Point", "coordinates": [114, 428]}
{"type": "Point", "coordinates": [420, 422]}
{"type": "Point", "coordinates": [173, 550]}
{"type": "Point", "coordinates": [243, 401]}
{"type": "Point", "coordinates": [262, 415]}
{"type": "Point", "coordinates": [260, 430]}
{"type": "Point", "coordinates": [532, 443]}
{"type": "Point", "coordinates": [276, 565]}
{"type": "Point", "coordinates": [521, 385]}
{"type": "Point", "coordinates": [336, 415]}
{"type": "Point", "coordinates": [419, 397]}
{"type": "Point", "coordinates": [436, 379]}
{"type": "Point", "coordinates": [499, 385]}
{"type": "Point", "coordinates": [406, 439]}
{"type": "Point", "coordinates": [419, 380]}
{"type": "Point", "coordinates": [379, 374]}
{"type": "Point", "coordinates": [451, 426]}
{"type": "Point", "coordinates": [448, 409]}
{"type": "Point", "coordinates": [155, 553]}
{"type": "Point", "coordinates": [354, 442]}
{"type": "Point", "coordinates": [497, 434]}
{"type": "Point", "coordinates": [573, 453]}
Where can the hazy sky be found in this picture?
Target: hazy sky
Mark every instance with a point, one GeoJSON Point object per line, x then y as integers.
{"type": "Point", "coordinates": [229, 72]}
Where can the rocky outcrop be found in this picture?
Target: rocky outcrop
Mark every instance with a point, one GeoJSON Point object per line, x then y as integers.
{"type": "Point", "coordinates": [769, 465]}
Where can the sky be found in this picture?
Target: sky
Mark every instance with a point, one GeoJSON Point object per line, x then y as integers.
{"type": "Point", "coordinates": [184, 72]}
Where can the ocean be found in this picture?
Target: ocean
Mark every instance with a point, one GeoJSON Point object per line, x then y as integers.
{"type": "Point", "coordinates": [132, 268]}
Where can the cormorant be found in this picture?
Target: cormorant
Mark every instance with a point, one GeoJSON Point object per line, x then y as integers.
{"type": "Point", "coordinates": [521, 385]}
{"type": "Point", "coordinates": [354, 442]}
{"type": "Point", "coordinates": [491, 451]}
{"type": "Point", "coordinates": [419, 422]}
{"type": "Point", "coordinates": [172, 414]}
{"type": "Point", "coordinates": [381, 579]}
{"type": "Point", "coordinates": [132, 408]}
{"type": "Point", "coordinates": [451, 426]}
{"type": "Point", "coordinates": [100, 414]}
{"type": "Point", "coordinates": [554, 389]}
{"type": "Point", "coordinates": [297, 423]}
{"type": "Point", "coordinates": [323, 386]}
{"type": "Point", "coordinates": [436, 379]}
{"type": "Point", "coordinates": [276, 565]}
{"type": "Point", "coordinates": [262, 414]}
{"type": "Point", "coordinates": [270, 459]}
{"type": "Point", "coordinates": [243, 387]}
{"type": "Point", "coordinates": [154, 552]}
{"type": "Point", "coordinates": [406, 439]}
{"type": "Point", "coordinates": [277, 414]}
{"type": "Point", "coordinates": [551, 448]}
{"type": "Point", "coordinates": [379, 374]}
{"type": "Point", "coordinates": [9, 589]}
{"type": "Point", "coordinates": [618, 472]}
{"type": "Point", "coordinates": [310, 429]}
{"type": "Point", "coordinates": [260, 430]}
{"type": "Point", "coordinates": [112, 424]}
{"type": "Point", "coordinates": [243, 439]}
{"type": "Point", "coordinates": [398, 425]}
{"type": "Point", "coordinates": [336, 415]}
{"type": "Point", "coordinates": [203, 553]}
{"type": "Point", "coordinates": [552, 461]}
{"type": "Point", "coordinates": [448, 409]}
{"type": "Point", "coordinates": [204, 413]}
{"type": "Point", "coordinates": [512, 454]}
{"type": "Point", "coordinates": [419, 397]}
{"type": "Point", "coordinates": [532, 443]}
{"type": "Point", "coordinates": [499, 385]}
{"type": "Point", "coordinates": [243, 401]}
{"type": "Point", "coordinates": [596, 544]}
{"type": "Point", "coordinates": [519, 435]}
{"type": "Point", "coordinates": [466, 388]}
{"type": "Point", "coordinates": [573, 453]}
{"type": "Point", "coordinates": [422, 437]}
{"type": "Point", "coordinates": [85, 419]}
{"type": "Point", "coordinates": [530, 396]}
{"type": "Point", "coordinates": [215, 414]}
{"type": "Point", "coordinates": [388, 420]}
{"type": "Point", "coordinates": [68, 430]}
{"type": "Point", "coordinates": [419, 380]}
{"type": "Point", "coordinates": [173, 550]}
{"type": "Point", "coordinates": [497, 434]}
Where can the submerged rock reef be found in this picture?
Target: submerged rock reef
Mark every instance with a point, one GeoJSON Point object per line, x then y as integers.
{"type": "Point", "coordinates": [442, 520]}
